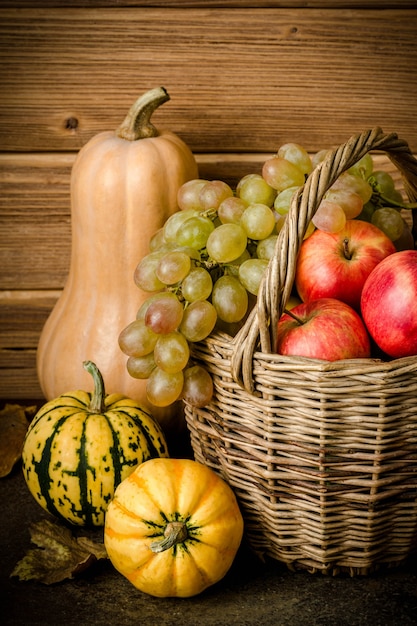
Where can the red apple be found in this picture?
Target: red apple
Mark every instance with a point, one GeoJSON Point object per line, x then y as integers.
{"type": "Point", "coordinates": [324, 329]}
{"type": "Point", "coordinates": [389, 304]}
{"type": "Point", "coordinates": [336, 265]}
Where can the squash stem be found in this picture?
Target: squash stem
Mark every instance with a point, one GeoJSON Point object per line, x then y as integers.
{"type": "Point", "coordinates": [97, 399]}
{"type": "Point", "coordinates": [175, 532]}
{"type": "Point", "coordinates": [137, 123]}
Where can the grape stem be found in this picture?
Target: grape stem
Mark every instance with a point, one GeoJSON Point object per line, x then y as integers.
{"type": "Point", "coordinates": [379, 199]}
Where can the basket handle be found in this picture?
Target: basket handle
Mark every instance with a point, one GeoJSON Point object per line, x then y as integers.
{"type": "Point", "coordinates": [259, 330]}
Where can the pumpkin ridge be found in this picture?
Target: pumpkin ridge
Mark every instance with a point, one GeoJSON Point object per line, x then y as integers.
{"type": "Point", "coordinates": [140, 566]}
{"type": "Point", "coordinates": [116, 451]}
{"type": "Point", "coordinates": [157, 528]}
{"type": "Point", "coordinates": [50, 409]}
{"type": "Point", "coordinates": [183, 546]}
{"type": "Point", "coordinates": [41, 469]}
{"type": "Point", "coordinates": [206, 581]}
{"type": "Point", "coordinates": [154, 441]}
{"type": "Point", "coordinates": [206, 495]}
{"type": "Point", "coordinates": [72, 396]}
{"type": "Point", "coordinates": [155, 449]}
{"type": "Point", "coordinates": [149, 494]}
{"type": "Point", "coordinates": [125, 403]}
{"type": "Point", "coordinates": [117, 504]}
{"type": "Point", "coordinates": [81, 472]}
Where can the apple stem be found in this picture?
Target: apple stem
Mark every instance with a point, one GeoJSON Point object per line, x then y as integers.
{"type": "Point", "coordinates": [291, 314]}
{"type": "Point", "coordinates": [346, 251]}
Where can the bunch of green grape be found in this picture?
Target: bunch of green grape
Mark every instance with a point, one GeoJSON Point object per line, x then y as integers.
{"type": "Point", "coordinates": [205, 265]}
{"type": "Point", "coordinates": [203, 271]}
{"type": "Point", "coordinates": [365, 194]}
{"type": "Point", "coordinates": [386, 210]}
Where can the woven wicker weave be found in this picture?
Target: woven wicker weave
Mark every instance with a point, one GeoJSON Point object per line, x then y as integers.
{"type": "Point", "coordinates": [322, 456]}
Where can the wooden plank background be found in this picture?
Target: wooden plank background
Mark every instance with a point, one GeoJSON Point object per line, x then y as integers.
{"type": "Point", "coordinates": [243, 78]}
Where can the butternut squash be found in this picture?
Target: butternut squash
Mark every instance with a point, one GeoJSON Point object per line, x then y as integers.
{"type": "Point", "coordinates": [124, 187]}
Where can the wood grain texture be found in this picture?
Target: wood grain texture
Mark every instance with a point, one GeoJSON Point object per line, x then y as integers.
{"type": "Point", "coordinates": [19, 380]}
{"type": "Point", "coordinates": [240, 80]}
{"type": "Point", "coordinates": [34, 220]}
{"type": "Point", "coordinates": [237, 4]}
{"type": "Point", "coordinates": [22, 316]}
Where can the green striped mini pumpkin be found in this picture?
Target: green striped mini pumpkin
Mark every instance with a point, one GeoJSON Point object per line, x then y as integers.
{"type": "Point", "coordinates": [81, 445]}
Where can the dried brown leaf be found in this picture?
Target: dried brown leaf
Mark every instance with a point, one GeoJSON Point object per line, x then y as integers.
{"type": "Point", "coordinates": [14, 422]}
{"type": "Point", "coordinates": [59, 555]}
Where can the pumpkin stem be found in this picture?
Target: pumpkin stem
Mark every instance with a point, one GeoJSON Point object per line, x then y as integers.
{"type": "Point", "coordinates": [137, 124]}
{"type": "Point", "coordinates": [97, 399]}
{"type": "Point", "coordinates": [175, 532]}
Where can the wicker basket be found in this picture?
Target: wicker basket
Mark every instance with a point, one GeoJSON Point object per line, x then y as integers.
{"type": "Point", "coordinates": [322, 456]}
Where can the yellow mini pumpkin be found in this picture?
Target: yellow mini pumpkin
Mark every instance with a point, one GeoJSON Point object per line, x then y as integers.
{"type": "Point", "coordinates": [80, 446]}
{"type": "Point", "coordinates": [124, 187]}
{"type": "Point", "coordinates": [173, 528]}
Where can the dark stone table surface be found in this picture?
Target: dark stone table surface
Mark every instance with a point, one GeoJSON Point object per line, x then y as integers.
{"type": "Point", "coordinates": [252, 593]}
